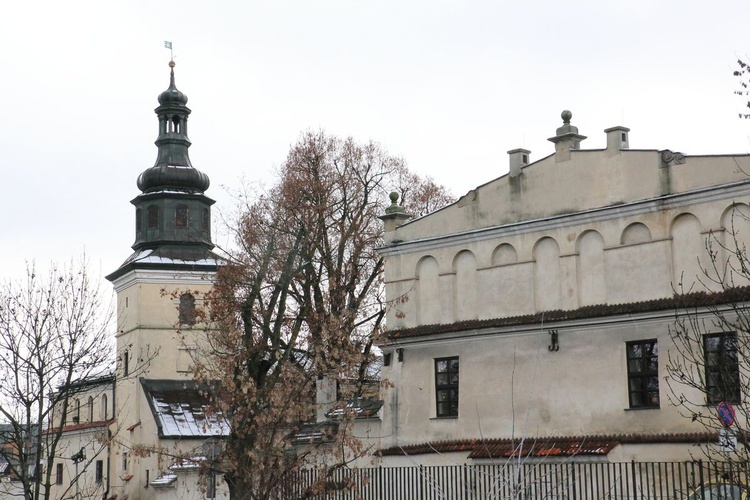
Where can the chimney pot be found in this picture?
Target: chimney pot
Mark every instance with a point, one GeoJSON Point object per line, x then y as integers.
{"type": "Point", "coordinates": [617, 138]}
{"type": "Point", "coordinates": [519, 158]}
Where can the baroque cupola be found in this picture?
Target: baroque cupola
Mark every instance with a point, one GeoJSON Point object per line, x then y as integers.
{"type": "Point", "coordinates": [172, 213]}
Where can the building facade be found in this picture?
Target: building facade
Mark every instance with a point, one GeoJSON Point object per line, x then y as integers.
{"type": "Point", "coordinates": [536, 310]}
{"type": "Point", "coordinates": [132, 432]}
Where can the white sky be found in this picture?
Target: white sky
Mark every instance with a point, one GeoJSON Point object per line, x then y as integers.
{"type": "Point", "coordinates": [451, 86]}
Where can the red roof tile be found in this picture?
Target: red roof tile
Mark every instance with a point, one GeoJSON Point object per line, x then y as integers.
{"type": "Point", "coordinates": [562, 446]}
{"type": "Point", "coordinates": [685, 302]}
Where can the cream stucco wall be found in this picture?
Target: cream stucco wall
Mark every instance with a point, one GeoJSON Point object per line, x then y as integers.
{"type": "Point", "coordinates": [157, 348]}
{"type": "Point", "coordinates": [575, 229]}
{"type": "Point", "coordinates": [640, 251]}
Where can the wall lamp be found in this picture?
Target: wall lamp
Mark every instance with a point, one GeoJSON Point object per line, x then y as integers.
{"type": "Point", "coordinates": [554, 341]}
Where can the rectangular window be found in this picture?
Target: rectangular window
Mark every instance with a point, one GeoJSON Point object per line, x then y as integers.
{"type": "Point", "coordinates": [59, 474]}
{"type": "Point", "coordinates": [643, 373]}
{"type": "Point", "coordinates": [722, 368]}
{"type": "Point", "coordinates": [125, 462]}
{"type": "Point", "coordinates": [99, 471]}
{"type": "Point", "coordinates": [446, 386]}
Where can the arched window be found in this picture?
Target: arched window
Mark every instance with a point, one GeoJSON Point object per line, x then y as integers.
{"type": "Point", "coordinates": [205, 221]}
{"type": "Point", "coordinates": [152, 213]}
{"type": "Point", "coordinates": [76, 411]}
{"type": "Point", "coordinates": [138, 216]}
{"type": "Point", "coordinates": [180, 216]}
{"type": "Point", "coordinates": [91, 409]}
{"type": "Point", "coordinates": [104, 408]}
{"type": "Point", "coordinates": [187, 309]}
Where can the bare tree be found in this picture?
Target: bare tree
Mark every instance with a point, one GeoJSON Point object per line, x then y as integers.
{"type": "Point", "coordinates": [301, 300]}
{"type": "Point", "coordinates": [743, 76]}
{"type": "Point", "coordinates": [54, 335]}
{"type": "Point", "coordinates": [709, 367]}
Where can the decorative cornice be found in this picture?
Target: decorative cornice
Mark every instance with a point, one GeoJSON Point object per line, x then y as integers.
{"type": "Point", "coordinates": [666, 308]}
{"type": "Point", "coordinates": [161, 276]}
{"type": "Point", "coordinates": [602, 214]}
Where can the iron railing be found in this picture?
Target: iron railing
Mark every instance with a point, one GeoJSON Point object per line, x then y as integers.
{"type": "Point", "coordinates": [519, 481]}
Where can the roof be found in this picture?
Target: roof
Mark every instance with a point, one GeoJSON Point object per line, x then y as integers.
{"type": "Point", "coordinates": [561, 446]}
{"type": "Point", "coordinates": [676, 302]}
{"type": "Point", "coordinates": [82, 426]}
{"type": "Point", "coordinates": [314, 433]}
{"type": "Point", "coordinates": [179, 409]}
{"type": "Point", "coordinates": [164, 481]}
{"type": "Point", "coordinates": [170, 257]}
{"type": "Point", "coordinates": [358, 407]}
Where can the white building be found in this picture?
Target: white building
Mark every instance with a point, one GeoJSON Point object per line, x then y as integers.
{"type": "Point", "coordinates": [537, 307]}
{"type": "Point", "coordinates": [153, 413]}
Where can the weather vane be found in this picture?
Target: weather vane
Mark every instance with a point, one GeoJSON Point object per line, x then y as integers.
{"type": "Point", "coordinates": [168, 45]}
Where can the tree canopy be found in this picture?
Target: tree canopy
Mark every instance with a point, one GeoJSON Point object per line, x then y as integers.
{"type": "Point", "coordinates": [299, 304]}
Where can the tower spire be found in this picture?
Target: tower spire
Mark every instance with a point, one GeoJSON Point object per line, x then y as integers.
{"type": "Point", "coordinates": [173, 215]}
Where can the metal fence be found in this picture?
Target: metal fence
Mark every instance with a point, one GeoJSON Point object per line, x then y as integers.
{"type": "Point", "coordinates": [521, 481]}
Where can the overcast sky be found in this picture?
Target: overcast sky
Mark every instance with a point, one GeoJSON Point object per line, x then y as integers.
{"type": "Point", "coordinates": [450, 86]}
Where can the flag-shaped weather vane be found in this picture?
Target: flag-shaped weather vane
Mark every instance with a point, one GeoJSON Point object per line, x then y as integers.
{"type": "Point", "coordinates": [168, 45]}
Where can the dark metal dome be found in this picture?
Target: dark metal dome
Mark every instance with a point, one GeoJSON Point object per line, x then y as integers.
{"type": "Point", "coordinates": [172, 96]}
{"type": "Point", "coordinates": [161, 177]}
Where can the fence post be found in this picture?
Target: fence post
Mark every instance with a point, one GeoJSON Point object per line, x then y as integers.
{"type": "Point", "coordinates": [421, 482]}
{"type": "Point", "coordinates": [632, 478]}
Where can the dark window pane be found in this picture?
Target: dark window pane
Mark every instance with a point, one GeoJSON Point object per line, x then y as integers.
{"type": "Point", "coordinates": [152, 213]}
{"type": "Point", "coordinates": [634, 350]}
{"type": "Point", "coordinates": [643, 373]}
{"type": "Point", "coordinates": [181, 216]}
{"type": "Point", "coordinates": [721, 360]}
{"type": "Point", "coordinates": [187, 309]}
{"type": "Point", "coordinates": [446, 386]}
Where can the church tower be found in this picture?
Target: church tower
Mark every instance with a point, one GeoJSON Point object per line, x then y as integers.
{"type": "Point", "coordinates": [157, 288]}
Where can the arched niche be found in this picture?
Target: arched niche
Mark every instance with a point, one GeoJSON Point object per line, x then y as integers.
{"type": "Point", "coordinates": [591, 269]}
{"type": "Point", "coordinates": [427, 291]}
{"type": "Point", "coordinates": [504, 254]}
{"type": "Point", "coordinates": [688, 254]}
{"type": "Point", "coordinates": [547, 275]}
{"type": "Point", "coordinates": [635, 233]}
{"type": "Point", "coordinates": [735, 241]}
{"type": "Point", "coordinates": [465, 286]}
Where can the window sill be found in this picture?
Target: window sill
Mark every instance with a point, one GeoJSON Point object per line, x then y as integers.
{"type": "Point", "coordinates": [639, 408]}
{"type": "Point", "coordinates": [444, 418]}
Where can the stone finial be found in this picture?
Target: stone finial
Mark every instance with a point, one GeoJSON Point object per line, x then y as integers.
{"type": "Point", "coordinates": [394, 207]}
{"type": "Point", "coordinates": [394, 217]}
{"type": "Point", "coordinates": [567, 136]}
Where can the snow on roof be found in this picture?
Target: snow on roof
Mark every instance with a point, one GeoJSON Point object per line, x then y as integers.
{"type": "Point", "coordinates": [187, 463]}
{"type": "Point", "coordinates": [164, 481]}
{"type": "Point", "coordinates": [358, 407]}
{"type": "Point", "coordinates": [179, 409]}
{"type": "Point", "coordinates": [147, 256]}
